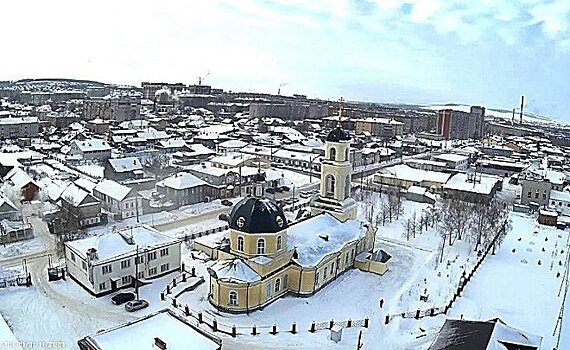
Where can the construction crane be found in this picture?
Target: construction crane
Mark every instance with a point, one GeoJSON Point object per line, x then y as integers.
{"type": "Point", "coordinates": [200, 79]}
{"type": "Point", "coordinates": [280, 86]}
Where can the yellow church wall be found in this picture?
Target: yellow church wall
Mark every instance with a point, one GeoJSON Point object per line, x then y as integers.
{"type": "Point", "coordinates": [250, 243]}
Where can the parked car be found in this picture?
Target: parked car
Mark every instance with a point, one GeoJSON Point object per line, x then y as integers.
{"type": "Point", "coordinates": [285, 188]}
{"type": "Point", "coordinates": [270, 190]}
{"type": "Point", "coordinates": [135, 305]}
{"type": "Point", "coordinates": [122, 298]}
{"type": "Point", "coordinates": [224, 217]}
{"type": "Point", "coordinates": [227, 202]}
{"type": "Point", "coordinates": [278, 189]}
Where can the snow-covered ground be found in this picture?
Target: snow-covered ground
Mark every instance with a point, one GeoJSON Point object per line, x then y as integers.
{"type": "Point", "coordinates": [509, 285]}
{"type": "Point", "coordinates": [96, 171]}
{"type": "Point", "coordinates": [28, 246]}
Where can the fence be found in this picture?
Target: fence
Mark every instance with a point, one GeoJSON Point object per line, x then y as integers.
{"type": "Point", "coordinates": [188, 237]}
{"type": "Point", "coordinates": [463, 281]}
{"type": "Point", "coordinates": [20, 280]}
{"type": "Point", "coordinates": [233, 330]}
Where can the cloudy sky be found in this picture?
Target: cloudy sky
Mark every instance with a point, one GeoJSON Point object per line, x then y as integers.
{"type": "Point", "coordinates": [417, 51]}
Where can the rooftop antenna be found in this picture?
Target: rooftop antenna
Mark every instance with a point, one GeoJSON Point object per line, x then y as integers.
{"type": "Point", "coordinates": [280, 86]}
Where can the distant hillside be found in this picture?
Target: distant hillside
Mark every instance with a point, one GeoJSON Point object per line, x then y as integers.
{"type": "Point", "coordinates": [80, 81]}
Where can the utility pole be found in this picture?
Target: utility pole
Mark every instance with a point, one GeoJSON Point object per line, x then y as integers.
{"type": "Point", "coordinates": [137, 273]}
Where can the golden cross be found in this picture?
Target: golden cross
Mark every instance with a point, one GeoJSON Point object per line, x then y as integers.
{"type": "Point", "coordinates": [339, 124]}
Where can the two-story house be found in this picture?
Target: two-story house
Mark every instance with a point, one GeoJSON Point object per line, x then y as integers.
{"type": "Point", "coordinates": [104, 264]}
{"type": "Point", "coordinates": [120, 201]}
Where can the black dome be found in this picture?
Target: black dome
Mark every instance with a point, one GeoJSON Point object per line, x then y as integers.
{"type": "Point", "coordinates": [337, 134]}
{"type": "Point", "coordinates": [257, 215]}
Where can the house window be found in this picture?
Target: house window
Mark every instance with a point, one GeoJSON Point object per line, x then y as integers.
{"type": "Point", "coordinates": [325, 274]}
{"type": "Point", "coordinates": [536, 195]}
{"type": "Point", "coordinates": [279, 242]}
{"type": "Point", "coordinates": [72, 256]}
{"type": "Point", "coordinates": [317, 278]}
{"type": "Point", "coordinates": [125, 264]}
{"type": "Point", "coordinates": [84, 265]}
{"type": "Point", "coordinates": [152, 271]}
{"type": "Point", "coordinates": [139, 260]}
{"type": "Point", "coordinates": [332, 267]}
{"type": "Point", "coordinates": [332, 155]}
{"type": "Point", "coordinates": [240, 244]}
{"type": "Point", "coordinates": [164, 267]}
{"type": "Point", "coordinates": [151, 256]}
{"type": "Point", "coordinates": [285, 281]}
{"type": "Point", "coordinates": [107, 269]}
{"type": "Point", "coordinates": [277, 285]}
{"type": "Point", "coordinates": [126, 280]}
{"type": "Point", "coordinates": [233, 298]}
{"type": "Point", "coordinates": [140, 275]}
{"type": "Point", "coordinates": [529, 194]}
{"type": "Point", "coordinates": [261, 246]}
{"type": "Point", "coordinates": [164, 252]}
{"type": "Point", "coordinates": [102, 286]}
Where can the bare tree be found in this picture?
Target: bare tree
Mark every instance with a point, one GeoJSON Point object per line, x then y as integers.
{"type": "Point", "coordinates": [157, 164]}
{"type": "Point", "coordinates": [408, 227]}
{"type": "Point", "coordinates": [413, 224]}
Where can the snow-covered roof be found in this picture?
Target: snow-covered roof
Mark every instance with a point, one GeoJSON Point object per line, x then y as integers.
{"type": "Point", "coordinates": [172, 329]}
{"type": "Point", "coordinates": [18, 120]}
{"type": "Point", "coordinates": [233, 144]}
{"type": "Point", "coordinates": [8, 203]}
{"type": "Point", "coordinates": [232, 159]}
{"type": "Point", "coordinates": [172, 143]}
{"type": "Point", "coordinates": [85, 184]}
{"type": "Point", "coordinates": [74, 195]}
{"type": "Point", "coordinates": [320, 236]}
{"type": "Point", "coordinates": [92, 145]}
{"type": "Point", "coordinates": [113, 189]}
{"type": "Point", "coordinates": [560, 196]}
{"type": "Point", "coordinates": [126, 164]}
{"type": "Point", "coordinates": [113, 245]}
{"type": "Point", "coordinates": [483, 184]}
{"type": "Point", "coordinates": [235, 271]}
{"type": "Point", "coordinates": [18, 177]}
{"type": "Point", "coordinates": [405, 172]}
{"type": "Point", "coordinates": [451, 157]}
{"type": "Point", "coordinates": [181, 180]}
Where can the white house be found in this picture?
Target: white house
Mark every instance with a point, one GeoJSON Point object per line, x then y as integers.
{"type": "Point", "coordinates": [453, 161]}
{"type": "Point", "coordinates": [163, 329]}
{"type": "Point", "coordinates": [91, 149]}
{"type": "Point", "coordinates": [104, 264]}
{"type": "Point", "coordinates": [121, 201]}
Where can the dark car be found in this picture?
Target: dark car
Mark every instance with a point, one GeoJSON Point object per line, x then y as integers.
{"type": "Point", "coordinates": [224, 217]}
{"type": "Point", "coordinates": [227, 202]}
{"type": "Point", "coordinates": [135, 305]}
{"type": "Point", "coordinates": [279, 189]}
{"type": "Point", "coordinates": [270, 190]}
{"type": "Point", "coordinates": [285, 188]}
{"type": "Point", "coordinates": [122, 298]}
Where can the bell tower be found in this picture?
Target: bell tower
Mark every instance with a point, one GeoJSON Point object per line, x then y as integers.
{"type": "Point", "coordinates": [336, 171]}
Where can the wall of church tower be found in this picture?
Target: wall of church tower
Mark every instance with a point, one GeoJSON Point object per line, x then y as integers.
{"type": "Point", "coordinates": [336, 171]}
{"type": "Point", "coordinates": [273, 244]}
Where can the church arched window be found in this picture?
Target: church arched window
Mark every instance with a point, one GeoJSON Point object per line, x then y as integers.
{"type": "Point", "coordinates": [346, 155]}
{"type": "Point", "coordinates": [261, 246]}
{"type": "Point", "coordinates": [332, 153]}
{"type": "Point", "coordinates": [330, 185]}
{"type": "Point", "coordinates": [240, 243]}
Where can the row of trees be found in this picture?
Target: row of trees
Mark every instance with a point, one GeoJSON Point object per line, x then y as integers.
{"type": "Point", "coordinates": [477, 222]}
{"type": "Point", "coordinates": [417, 224]}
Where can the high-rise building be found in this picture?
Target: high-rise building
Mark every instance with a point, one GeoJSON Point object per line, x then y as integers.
{"type": "Point", "coordinates": [461, 125]}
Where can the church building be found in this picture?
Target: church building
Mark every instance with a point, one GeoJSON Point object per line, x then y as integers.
{"type": "Point", "coordinates": [267, 257]}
